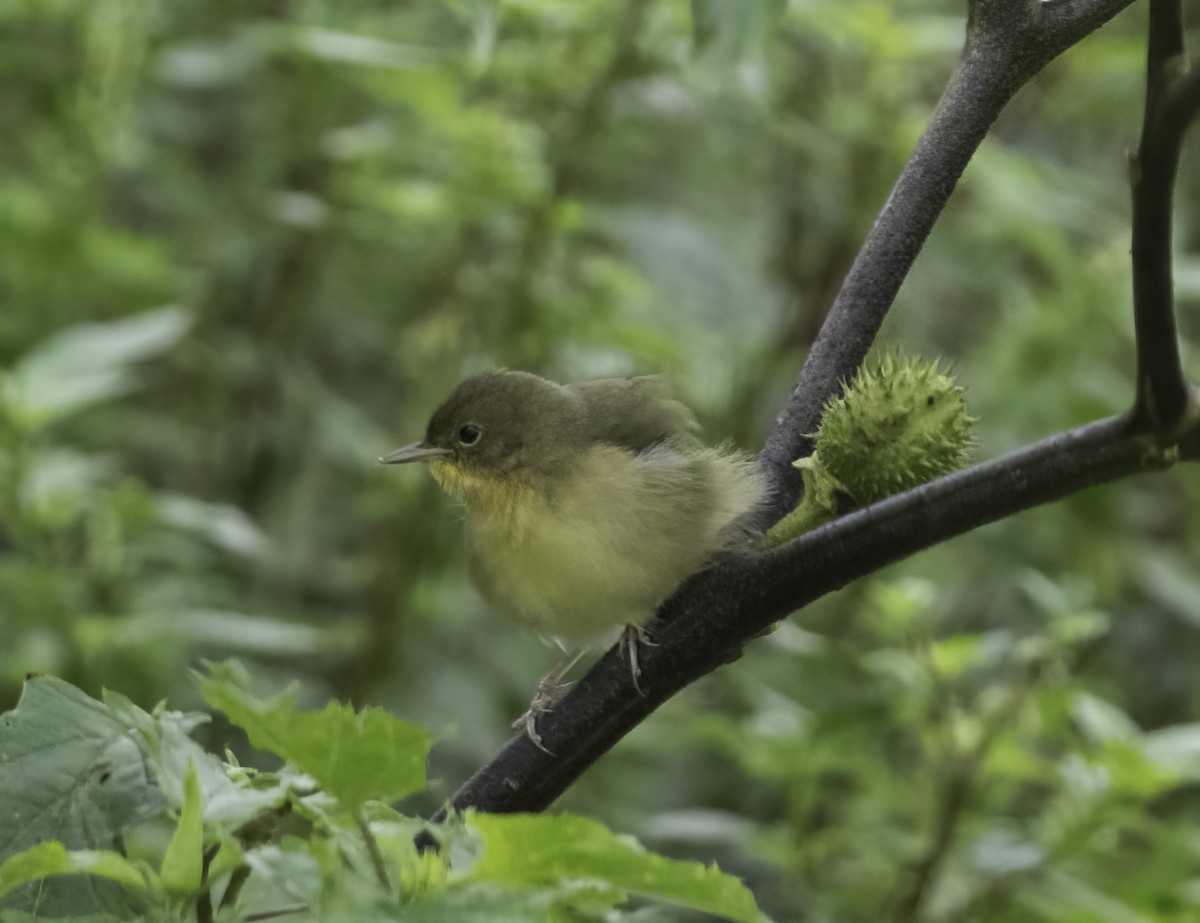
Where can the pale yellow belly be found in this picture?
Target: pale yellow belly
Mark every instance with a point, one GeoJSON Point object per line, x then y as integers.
{"type": "Point", "coordinates": [612, 544]}
{"type": "Point", "coordinates": [560, 584]}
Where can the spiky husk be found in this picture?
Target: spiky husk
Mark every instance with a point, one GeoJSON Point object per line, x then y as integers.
{"type": "Point", "coordinates": [897, 425]}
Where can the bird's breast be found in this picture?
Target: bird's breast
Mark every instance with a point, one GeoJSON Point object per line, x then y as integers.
{"type": "Point", "coordinates": [610, 543]}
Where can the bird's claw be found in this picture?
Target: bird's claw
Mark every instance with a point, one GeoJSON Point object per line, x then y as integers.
{"type": "Point", "coordinates": [631, 637]}
{"type": "Point", "coordinates": [549, 691]}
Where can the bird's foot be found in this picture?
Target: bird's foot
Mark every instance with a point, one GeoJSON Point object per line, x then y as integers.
{"type": "Point", "coordinates": [631, 637]}
{"type": "Point", "coordinates": [549, 690]}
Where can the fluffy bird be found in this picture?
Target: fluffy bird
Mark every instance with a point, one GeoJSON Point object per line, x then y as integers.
{"type": "Point", "coordinates": [586, 504]}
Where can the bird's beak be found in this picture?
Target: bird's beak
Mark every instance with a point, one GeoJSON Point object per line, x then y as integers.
{"type": "Point", "coordinates": [416, 452]}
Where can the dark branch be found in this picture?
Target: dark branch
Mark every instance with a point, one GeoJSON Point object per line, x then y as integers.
{"type": "Point", "coordinates": [1172, 98]}
{"type": "Point", "coordinates": [1008, 42]}
{"type": "Point", "coordinates": [712, 617]}
{"type": "Point", "coordinates": [1072, 20]}
{"type": "Point", "coordinates": [717, 612]}
{"type": "Point", "coordinates": [1164, 43]}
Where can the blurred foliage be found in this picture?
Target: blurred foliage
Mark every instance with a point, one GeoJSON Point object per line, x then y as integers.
{"type": "Point", "coordinates": [248, 246]}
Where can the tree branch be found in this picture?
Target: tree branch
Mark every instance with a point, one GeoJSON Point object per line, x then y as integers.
{"type": "Point", "coordinates": [712, 617]}
{"type": "Point", "coordinates": [1073, 20]}
{"type": "Point", "coordinates": [1007, 43]}
{"type": "Point", "coordinates": [1172, 99]}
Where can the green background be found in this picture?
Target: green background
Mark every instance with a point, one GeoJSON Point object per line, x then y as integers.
{"type": "Point", "coordinates": [300, 223]}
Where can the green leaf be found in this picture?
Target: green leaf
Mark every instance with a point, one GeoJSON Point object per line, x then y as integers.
{"type": "Point", "coordinates": [87, 363]}
{"type": "Point", "coordinates": [230, 799]}
{"type": "Point", "coordinates": [365, 50]}
{"type": "Point", "coordinates": [226, 527]}
{"type": "Point", "coordinates": [183, 862]}
{"type": "Point", "coordinates": [1176, 748]}
{"type": "Point", "coordinates": [288, 872]}
{"type": "Point", "coordinates": [537, 850]}
{"type": "Point", "coordinates": [52, 858]}
{"type": "Point", "coordinates": [489, 903]}
{"type": "Point", "coordinates": [227, 858]}
{"type": "Point", "coordinates": [357, 757]}
{"type": "Point", "coordinates": [70, 771]}
{"type": "Point", "coordinates": [728, 33]}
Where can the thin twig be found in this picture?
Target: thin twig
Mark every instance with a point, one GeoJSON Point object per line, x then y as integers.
{"type": "Point", "coordinates": [204, 907]}
{"type": "Point", "coordinates": [955, 794]}
{"type": "Point", "coordinates": [276, 914]}
{"type": "Point", "coordinates": [373, 850]}
{"type": "Point", "coordinates": [1171, 91]}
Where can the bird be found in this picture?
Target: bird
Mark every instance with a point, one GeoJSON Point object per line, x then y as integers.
{"type": "Point", "coordinates": [586, 505]}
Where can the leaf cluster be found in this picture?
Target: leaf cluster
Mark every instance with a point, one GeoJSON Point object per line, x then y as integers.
{"type": "Point", "coordinates": [113, 813]}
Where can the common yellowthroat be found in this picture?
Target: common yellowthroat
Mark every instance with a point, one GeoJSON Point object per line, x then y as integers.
{"type": "Point", "coordinates": [586, 504]}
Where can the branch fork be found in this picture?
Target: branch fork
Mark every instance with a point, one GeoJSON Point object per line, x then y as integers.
{"type": "Point", "coordinates": [716, 613]}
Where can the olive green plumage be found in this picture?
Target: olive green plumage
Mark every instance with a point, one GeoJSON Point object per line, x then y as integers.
{"type": "Point", "coordinates": [586, 504]}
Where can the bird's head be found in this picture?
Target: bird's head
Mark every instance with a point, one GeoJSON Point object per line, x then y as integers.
{"type": "Point", "coordinates": [499, 432]}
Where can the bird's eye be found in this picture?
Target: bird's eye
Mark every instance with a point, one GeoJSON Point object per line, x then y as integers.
{"type": "Point", "coordinates": [469, 433]}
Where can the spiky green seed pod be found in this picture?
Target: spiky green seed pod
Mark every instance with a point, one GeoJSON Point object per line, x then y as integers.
{"type": "Point", "coordinates": [896, 426]}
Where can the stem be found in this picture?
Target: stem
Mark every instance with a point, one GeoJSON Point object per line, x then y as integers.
{"type": "Point", "coordinates": [204, 908]}
{"type": "Point", "coordinates": [276, 914]}
{"type": "Point", "coordinates": [373, 850]}
{"type": "Point", "coordinates": [964, 775]}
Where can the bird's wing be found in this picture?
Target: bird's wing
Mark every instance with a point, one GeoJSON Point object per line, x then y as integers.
{"type": "Point", "coordinates": [634, 413]}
